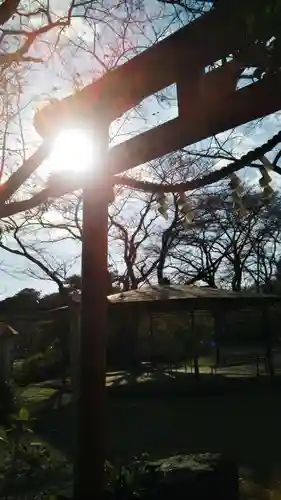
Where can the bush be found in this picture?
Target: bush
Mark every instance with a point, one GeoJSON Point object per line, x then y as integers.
{"type": "Point", "coordinates": [40, 367]}
{"type": "Point", "coordinates": [26, 464]}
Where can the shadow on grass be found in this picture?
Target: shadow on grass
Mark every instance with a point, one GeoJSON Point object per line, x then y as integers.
{"type": "Point", "coordinates": [165, 415]}
{"type": "Point", "coordinates": [164, 383]}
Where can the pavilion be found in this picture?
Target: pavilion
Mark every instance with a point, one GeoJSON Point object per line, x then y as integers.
{"type": "Point", "coordinates": [127, 309]}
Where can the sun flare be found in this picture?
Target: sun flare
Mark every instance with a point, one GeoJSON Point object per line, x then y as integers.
{"type": "Point", "coordinates": [73, 150]}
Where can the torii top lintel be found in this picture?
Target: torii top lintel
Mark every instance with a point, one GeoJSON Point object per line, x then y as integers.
{"type": "Point", "coordinates": [208, 102]}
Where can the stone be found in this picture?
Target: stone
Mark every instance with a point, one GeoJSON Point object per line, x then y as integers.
{"type": "Point", "coordinates": [196, 477]}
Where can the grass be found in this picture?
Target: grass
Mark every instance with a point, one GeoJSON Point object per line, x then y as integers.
{"type": "Point", "coordinates": [163, 416]}
{"type": "Point", "coordinates": [35, 397]}
{"type": "Point", "coordinates": [241, 424]}
{"type": "Point", "coordinates": [244, 427]}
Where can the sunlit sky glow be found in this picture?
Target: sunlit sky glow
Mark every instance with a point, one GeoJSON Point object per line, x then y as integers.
{"type": "Point", "coordinates": [73, 150]}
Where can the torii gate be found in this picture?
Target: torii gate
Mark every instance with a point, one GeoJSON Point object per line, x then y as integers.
{"type": "Point", "coordinates": [209, 103]}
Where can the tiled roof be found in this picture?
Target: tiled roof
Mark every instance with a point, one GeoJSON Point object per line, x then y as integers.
{"type": "Point", "coordinates": [164, 293]}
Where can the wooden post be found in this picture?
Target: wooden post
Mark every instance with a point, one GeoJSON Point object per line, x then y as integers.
{"type": "Point", "coordinates": [151, 339]}
{"type": "Point", "coordinates": [217, 316]}
{"type": "Point", "coordinates": [74, 345]}
{"type": "Point", "coordinates": [91, 413]}
{"type": "Point", "coordinates": [266, 331]}
{"type": "Point", "coordinates": [195, 346]}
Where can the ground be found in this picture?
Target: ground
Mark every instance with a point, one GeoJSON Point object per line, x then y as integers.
{"type": "Point", "coordinates": [237, 415]}
{"type": "Point", "coordinates": [164, 415]}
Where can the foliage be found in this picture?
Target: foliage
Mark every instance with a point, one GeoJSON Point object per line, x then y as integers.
{"type": "Point", "coordinates": [27, 465]}
{"type": "Point", "coordinates": [135, 480]}
{"type": "Point", "coordinates": [39, 367]}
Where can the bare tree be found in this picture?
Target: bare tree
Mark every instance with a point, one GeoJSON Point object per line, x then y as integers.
{"type": "Point", "coordinates": [224, 249]}
{"type": "Point", "coordinates": [20, 238]}
{"type": "Point", "coordinates": [80, 40]}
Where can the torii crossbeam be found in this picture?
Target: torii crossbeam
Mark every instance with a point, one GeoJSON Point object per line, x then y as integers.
{"type": "Point", "coordinates": [209, 102]}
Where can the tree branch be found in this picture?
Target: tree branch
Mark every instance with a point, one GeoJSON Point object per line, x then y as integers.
{"type": "Point", "coordinates": [7, 9]}
{"type": "Point", "coordinates": [59, 185]}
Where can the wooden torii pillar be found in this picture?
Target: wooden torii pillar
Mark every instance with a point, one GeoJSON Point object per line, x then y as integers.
{"type": "Point", "coordinates": [208, 103]}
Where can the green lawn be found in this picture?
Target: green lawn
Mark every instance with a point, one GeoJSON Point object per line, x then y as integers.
{"type": "Point", "coordinates": [239, 419]}
{"type": "Point", "coordinates": [246, 428]}
{"type": "Point", "coordinates": [36, 397]}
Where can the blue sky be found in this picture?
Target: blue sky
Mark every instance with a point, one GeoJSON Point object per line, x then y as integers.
{"type": "Point", "coordinates": [40, 84]}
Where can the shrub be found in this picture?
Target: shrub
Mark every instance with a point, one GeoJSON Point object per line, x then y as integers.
{"type": "Point", "coordinates": [27, 465]}
{"type": "Point", "coordinates": [40, 367]}
{"type": "Point", "coordinates": [136, 480]}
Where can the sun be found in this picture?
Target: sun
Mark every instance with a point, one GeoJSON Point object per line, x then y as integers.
{"type": "Point", "coordinates": [73, 150]}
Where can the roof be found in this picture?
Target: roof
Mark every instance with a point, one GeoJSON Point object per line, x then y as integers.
{"type": "Point", "coordinates": [6, 330]}
{"type": "Point", "coordinates": [162, 298]}
{"type": "Point", "coordinates": [189, 295]}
